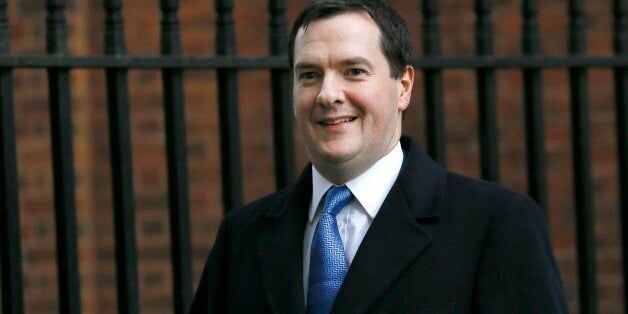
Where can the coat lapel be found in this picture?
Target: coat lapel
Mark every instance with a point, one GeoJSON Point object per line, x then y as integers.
{"type": "Point", "coordinates": [281, 249]}
{"type": "Point", "coordinates": [393, 241]}
{"type": "Point", "coordinates": [395, 238]}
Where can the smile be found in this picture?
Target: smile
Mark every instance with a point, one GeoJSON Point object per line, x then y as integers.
{"type": "Point", "coordinates": [337, 121]}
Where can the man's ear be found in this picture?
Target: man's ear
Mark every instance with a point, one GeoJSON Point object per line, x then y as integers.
{"type": "Point", "coordinates": [405, 91]}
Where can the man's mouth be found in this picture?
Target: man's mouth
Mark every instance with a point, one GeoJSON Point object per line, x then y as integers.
{"type": "Point", "coordinates": [337, 121]}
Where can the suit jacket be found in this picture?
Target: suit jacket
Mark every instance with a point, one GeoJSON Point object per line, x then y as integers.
{"type": "Point", "coordinates": [441, 243]}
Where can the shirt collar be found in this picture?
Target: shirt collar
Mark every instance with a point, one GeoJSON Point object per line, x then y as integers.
{"type": "Point", "coordinates": [370, 188]}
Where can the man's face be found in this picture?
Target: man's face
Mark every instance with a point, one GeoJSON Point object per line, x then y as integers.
{"type": "Point", "coordinates": [347, 105]}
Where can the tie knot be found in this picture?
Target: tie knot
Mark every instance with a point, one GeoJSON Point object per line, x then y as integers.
{"type": "Point", "coordinates": [336, 198]}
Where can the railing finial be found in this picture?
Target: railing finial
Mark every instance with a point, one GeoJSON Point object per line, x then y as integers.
{"type": "Point", "coordinates": [56, 27]}
{"type": "Point", "coordinates": [114, 28]}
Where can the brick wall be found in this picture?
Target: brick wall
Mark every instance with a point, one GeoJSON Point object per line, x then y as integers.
{"type": "Point", "coordinates": [85, 18]}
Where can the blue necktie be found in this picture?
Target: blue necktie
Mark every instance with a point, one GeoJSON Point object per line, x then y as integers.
{"type": "Point", "coordinates": [328, 265]}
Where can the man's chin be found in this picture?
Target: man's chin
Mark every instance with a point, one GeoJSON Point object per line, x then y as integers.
{"type": "Point", "coordinates": [334, 157]}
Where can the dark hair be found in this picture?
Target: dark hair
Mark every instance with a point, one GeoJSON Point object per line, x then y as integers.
{"type": "Point", "coordinates": [395, 39]}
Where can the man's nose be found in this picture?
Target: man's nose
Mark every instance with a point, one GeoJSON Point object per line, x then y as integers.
{"type": "Point", "coordinates": [332, 91]}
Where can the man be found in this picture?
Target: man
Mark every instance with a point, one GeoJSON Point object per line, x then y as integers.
{"type": "Point", "coordinates": [374, 225]}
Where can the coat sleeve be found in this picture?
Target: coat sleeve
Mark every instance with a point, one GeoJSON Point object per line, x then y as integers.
{"type": "Point", "coordinates": [517, 272]}
{"type": "Point", "coordinates": [211, 294]}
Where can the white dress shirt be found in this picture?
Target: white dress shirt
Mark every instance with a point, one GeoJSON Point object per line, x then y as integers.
{"type": "Point", "coordinates": [370, 190]}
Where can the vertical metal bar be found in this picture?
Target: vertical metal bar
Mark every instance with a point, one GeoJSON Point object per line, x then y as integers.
{"type": "Point", "coordinates": [585, 234]}
{"type": "Point", "coordinates": [435, 109]}
{"type": "Point", "coordinates": [489, 154]}
{"type": "Point", "coordinates": [282, 113]}
{"type": "Point", "coordinates": [228, 102]}
{"type": "Point", "coordinates": [535, 138]}
{"type": "Point", "coordinates": [620, 46]}
{"type": "Point", "coordinates": [10, 249]}
{"type": "Point", "coordinates": [63, 163]}
{"type": "Point", "coordinates": [177, 160]}
{"type": "Point", "coordinates": [121, 163]}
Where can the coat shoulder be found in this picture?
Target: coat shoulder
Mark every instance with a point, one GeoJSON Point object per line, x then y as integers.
{"type": "Point", "coordinates": [476, 192]}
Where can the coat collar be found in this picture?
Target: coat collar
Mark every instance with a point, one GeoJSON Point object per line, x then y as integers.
{"type": "Point", "coordinates": [422, 181]}
{"type": "Point", "coordinates": [393, 242]}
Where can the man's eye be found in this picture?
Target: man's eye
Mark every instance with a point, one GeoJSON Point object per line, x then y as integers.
{"type": "Point", "coordinates": [356, 72]}
{"type": "Point", "coordinates": [308, 76]}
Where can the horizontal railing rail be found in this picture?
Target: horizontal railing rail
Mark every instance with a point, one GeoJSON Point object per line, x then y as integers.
{"type": "Point", "coordinates": [281, 62]}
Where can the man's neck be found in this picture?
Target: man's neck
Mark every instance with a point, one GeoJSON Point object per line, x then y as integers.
{"type": "Point", "coordinates": [339, 174]}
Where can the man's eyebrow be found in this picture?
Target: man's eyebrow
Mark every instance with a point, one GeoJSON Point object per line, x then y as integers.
{"type": "Point", "coordinates": [345, 62]}
{"type": "Point", "coordinates": [304, 65]}
{"type": "Point", "coordinates": [356, 61]}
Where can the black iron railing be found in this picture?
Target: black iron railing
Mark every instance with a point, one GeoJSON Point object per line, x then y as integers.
{"type": "Point", "coordinates": [177, 159]}
{"type": "Point", "coordinates": [62, 161]}
{"type": "Point", "coordinates": [227, 64]}
{"type": "Point", "coordinates": [121, 161]}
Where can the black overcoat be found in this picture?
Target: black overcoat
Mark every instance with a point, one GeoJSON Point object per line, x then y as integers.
{"type": "Point", "coordinates": [441, 243]}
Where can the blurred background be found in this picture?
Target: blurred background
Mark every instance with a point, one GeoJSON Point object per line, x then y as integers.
{"type": "Point", "coordinates": [141, 17]}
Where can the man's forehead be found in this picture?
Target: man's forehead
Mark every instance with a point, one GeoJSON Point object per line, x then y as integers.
{"type": "Point", "coordinates": [356, 20]}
